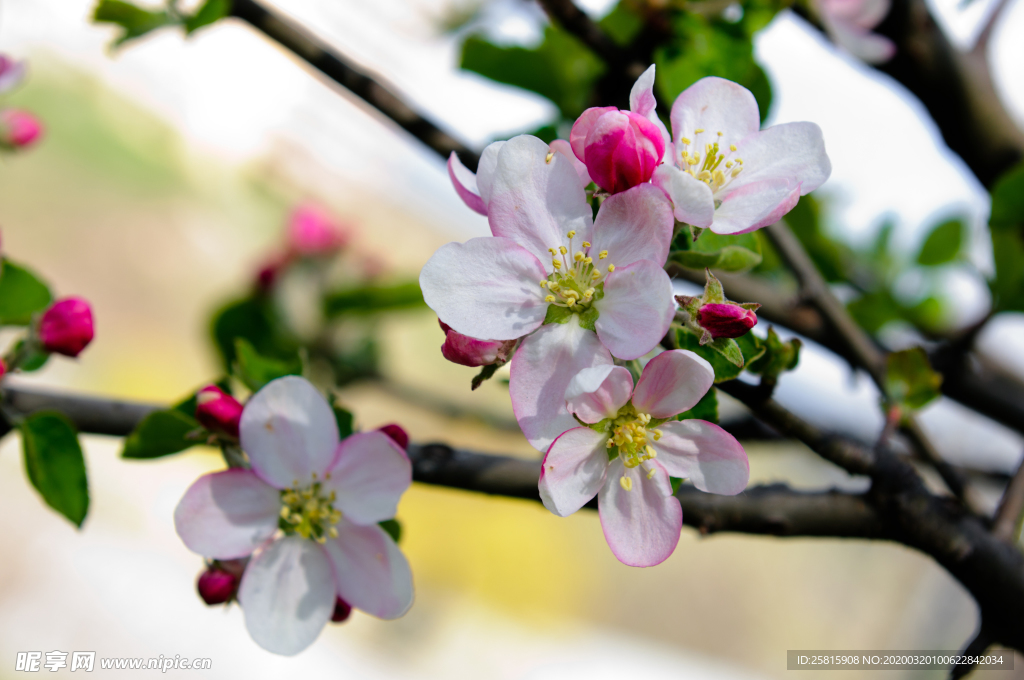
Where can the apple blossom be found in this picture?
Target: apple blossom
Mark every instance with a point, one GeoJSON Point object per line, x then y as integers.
{"type": "Point", "coordinates": [849, 24]}
{"type": "Point", "coordinates": [307, 512]}
{"type": "Point", "coordinates": [18, 128]}
{"type": "Point", "coordinates": [577, 290]}
{"type": "Point", "coordinates": [66, 327]}
{"type": "Point", "coordinates": [622, 148]}
{"type": "Point", "coordinates": [630, 449]}
{"type": "Point", "coordinates": [726, 173]}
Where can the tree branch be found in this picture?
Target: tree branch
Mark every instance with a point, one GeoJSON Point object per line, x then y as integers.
{"type": "Point", "coordinates": [370, 88]}
{"type": "Point", "coordinates": [1011, 506]}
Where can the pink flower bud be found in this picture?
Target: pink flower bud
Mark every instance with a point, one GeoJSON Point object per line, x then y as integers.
{"type": "Point", "coordinates": [218, 411]}
{"type": "Point", "coordinates": [66, 327]}
{"type": "Point", "coordinates": [725, 320]}
{"type": "Point", "coordinates": [3, 368]}
{"type": "Point", "coordinates": [217, 586]}
{"type": "Point", "coordinates": [620, 148]}
{"type": "Point", "coordinates": [19, 128]}
{"type": "Point", "coordinates": [466, 351]}
{"type": "Point", "coordinates": [397, 434]}
{"type": "Point", "coordinates": [311, 231]}
{"type": "Point", "coordinates": [342, 610]}
{"type": "Point", "coordinates": [11, 72]}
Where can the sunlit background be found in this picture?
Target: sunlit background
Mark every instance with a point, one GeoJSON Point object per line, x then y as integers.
{"type": "Point", "coordinates": [165, 176]}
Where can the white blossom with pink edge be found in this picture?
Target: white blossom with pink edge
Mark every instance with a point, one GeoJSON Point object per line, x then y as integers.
{"type": "Point", "coordinates": [327, 494]}
{"type": "Point", "coordinates": [728, 174]}
{"type": "Point", "coordinates": [849, 24]}
{"type": "Point", "coordinates": [631, 449]}
{"type": "Point", "coordinates": [600, 285]}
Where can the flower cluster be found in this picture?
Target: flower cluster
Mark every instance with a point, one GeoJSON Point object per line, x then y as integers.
{"type": "Point", "coordinates": [300, 524]}
{"type": "Point", "coordinates": [575, 297]}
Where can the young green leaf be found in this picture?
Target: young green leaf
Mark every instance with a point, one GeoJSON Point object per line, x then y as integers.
{"type": "Point", "coordinates": [22, 294]}
{"type": "Point", "coordinates": [210, 12]}
{"type": "Point", "coordinates": [717, 251]}
{"type": "Point", "coordinates": [54, 463]}
{"type": "Point", "coordinates": [724, 369]}
{"type": "Point", "coordinates": [910, 380]}
{"type": "Point", "coordinates": [256, 370]}
{"type": "Point", "coordinates": [162, 433]}
{"type": "Point", "coordinates": [393, 529]}
{"type": "Point", "coordinates": [943, 243]}
{"type": "Point", "coordinates": [369, 299]}
{"type": "Point", "coordinates": [344, 418]}
{"type": "Point", "coordinates": [777, 357]}
{"type": "Point", "coordinates": [1008, 200]}
{"type": "Point", "coordinates": [134, 21]}
{"type": "Point", "coordinates": [705, 409]}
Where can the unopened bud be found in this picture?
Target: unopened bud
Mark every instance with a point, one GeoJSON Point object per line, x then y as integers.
{"type": "Point", "coordinates": [18, 128]}
{"type": "Point", "coordinates": [342, 610]}
{"type": "Point", "coordinates": [397, 434]}
{"type": "Point", "coordinates": [218, 411]}
{"type": "Point", "coordinates": [466, 351]}
{"type": "Point", "coordinates": [726, 320]}
{"type": "Point", "coordinates": [66, 327]}
{"type": "Point", "coordinates": [621, 149]}
{"type": "Point", "coordinates": [217, 586]}
{"type": "Point", "coordinates": [312, 231]}
{"type": "Point", "coordinates": [3, 368]}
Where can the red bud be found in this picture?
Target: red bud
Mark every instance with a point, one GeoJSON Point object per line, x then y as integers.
{"type": "Point", "coordinates": [725, 320]}
{"type": "Point", "coordinates": [66, 327]}
{"type": "Point", "coordinates": [342, 610]}
{"type": "Point", "coordinates": [218, 411]}
{"type": "Point", "coordinates": [397, 434]}
{"type": "Point", "coordinates": [217, 586]}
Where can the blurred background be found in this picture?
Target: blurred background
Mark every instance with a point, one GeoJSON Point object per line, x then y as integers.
{"type": "Point", "coordinates": [166, 176]}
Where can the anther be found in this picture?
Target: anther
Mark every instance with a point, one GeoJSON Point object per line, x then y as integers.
{"type": "Point", "coordinates": [719, 133]}
{"type": "Point", "coordinates": [732, 147]}
{"type": "Point", "coordinates": [626, 483]}
{"type": "Point", "coordinates": [603, 254]}
{"type": "Point", "coordinates": [557, 264]}
{"type": "Point", "coordinates": [588, 260]}
{"type": "Point", "coordinates": [549, 298]}
{"type": "Point", "coordinates": [586, 244]}
{"type": "Point", "coordinates": [578, 256]}
{"type": "Point", "coordinates": [551, 154]}
{"type": "Point", "coordinates": [544, 283]}
{"type": "Point", "coordinates": [698, 131]}
{"type": "Point", "coordinates": [571, 233]}
{"type": "Point", "coordinates": [650, 473]}
{"type": "Point", "coordinates": [611, 268]}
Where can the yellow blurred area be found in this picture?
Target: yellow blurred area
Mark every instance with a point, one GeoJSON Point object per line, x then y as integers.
{"type": "Point", "coordinates": [113, 205]}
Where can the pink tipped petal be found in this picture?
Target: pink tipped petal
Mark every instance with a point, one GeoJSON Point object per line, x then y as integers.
{"type": "Point", "coordinates": [289, 432]}
{"type": "Point", "coordinates": [705, 454]}
{"type": "Point", "coordinates": [692, 200]}
{"type": "Point", "coordinates": [581, 128]}
{"type": "Point", "coordinates": [622, 150]}
{"type": "Point", "coordinates": [641, 97]}
{"type": "Point", "coordinates": [465, 184]}
{"type": "Point", "coordinates": [714, 105]}
{"type": "Point", "coordinates": [672, 382]}
{"type": "Point", "coordinates": [598, 393]}
{"type": "Point", "coordinates": [485, 288]}
{"type": "Point", "coordinates": [536, 199]}
{"type": "Point", "coordinates": [755, 205]}
{"type": "Point", "coordinates": [793, 151]}
{"type": "Point", "coordinates": [485, 170]}
{"type": "Point", "coordinates": [226, 515]}
{"type": "Point", "coordinates": [641, 525]}
{"type": "Point", "coordinates": [573, 470]}
{"type": "Point", "coordinates": [371, 474]}
{"type": "Point", "coordinates": [636, 310]}
{"type": "Point", "coordinates": [287, 595]}
{"type": "Point", "coordinates": [563, 147]}
{"type": "Point", "coordinates": [634, 225]}
{"type": "Point", "coordinates": [466, 351]}
{"type": "Point", "coordinates": [541, 371]}
{"type": "Point", "coordinates": [371, 572]}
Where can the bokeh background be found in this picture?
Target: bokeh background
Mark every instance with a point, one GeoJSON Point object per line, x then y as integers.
{"type": "Point", "coordinates": [166, 175]}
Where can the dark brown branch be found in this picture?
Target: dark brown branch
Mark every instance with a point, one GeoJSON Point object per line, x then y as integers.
{"type": "Point", "coordinates": [370, 88]}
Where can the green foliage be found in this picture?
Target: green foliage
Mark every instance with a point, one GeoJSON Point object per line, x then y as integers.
{"type": "Point", "coordinates": [621, 24]}
{"type": "Point", "coordinates": [162, 433]}
{"type": "Point", "coordinates": [725, 369]}
{"type": "Point", "coordinates": [344, 418]}
{"type": "Point", "coordinates": [909, 380]}
{"type": "Point", "coordinates": [716, 251]}
{"type": "Point", "coordinates": [705, 409]}
{"type": "Point", "coordinates": [776, 357]}
{"type": "Point", "coordinates": [832, 258]}
{"type": "Point", "coordinates": [943, 243]}
{"type": "Point", "coordinates": [393, 529]}
{"type": "Point", "coordinates": [560, 68]}
{"type": "Point", "coordinates": [134, 21]}
{"type": "Point", "coordinates": [1007, 228]}
{"type": "Point", "coordinates": [210, 12]}
{"type": "Point", "coordinates": [254, 320]}
{"type": "Point", "coordinates": [54, 463]}
{"type": "Point", "coordinates": [1008, 201]}
{"type": "Point", "coordinates": [556, 314]}
{"type": "Point", "coordinates": [256, 370]}
{"type": "Point", "coordinates": [368, 299]}
{"type": "Point", "coordinates": [22, 294]}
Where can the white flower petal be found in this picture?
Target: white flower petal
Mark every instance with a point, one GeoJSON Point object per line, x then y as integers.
{"type": "Point", "coordinates": [485, 170]}
{"type": "Point", "coordinates": [464, 182]}
{"type": "Point", "coordinates": [641, 525]}
{"type": "Point", "coordinates": [793, 152]}
{"type": "Point", "coordinates": [371, 572]}
{"type": "Point", "coordinates": [226, 515]}
{"type": "Point", "coordinates": [289, 432]}
{"type": "Point", "coordinates": [369, 477]}
{"type": "Point", "coordinates": [755, 205]}
{"type": "Point", "coordinates": [713, 105]}
{"type": "Point", "coordinates": [487, 288]}
{"type": "Point", "coordinates": [635, 224]}
{"type": "Point", "coordinates": [705, 454]}
{"type": "Point", "coordinates": [287, 594]}
{"type": "Point", "coordinates": [598, 393]}
{"type": "Point", "coordinates": [636, 310]}
{"type": "Point", "coordinates": [573, 470]}
{"type": "Point", "coordinates": [672, 382]}
{"type": "Point", "coordinates": [692, 200]}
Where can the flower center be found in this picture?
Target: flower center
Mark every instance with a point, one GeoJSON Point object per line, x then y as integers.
{"type": "Point", "coordinates": [629, 432]}
{"type": "Point", "coordinates": [709, 167]}
{"type": "Point", "coordinates": [576, 278]}
{"type": "Point", "coordinates": [309, 512]}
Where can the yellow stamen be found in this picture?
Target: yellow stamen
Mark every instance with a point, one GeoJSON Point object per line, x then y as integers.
{"type": "Point", "coordinates": [626, 483]}
{"type": "Point", "coordinates": [551, 154]}
{"type": "Point", "coordinates": [571, 233]}
{"type": "Point", "coordinates": [603, 254]}
{"type": "Point", "coordinates": [549, 298]}
{"type": "Point", "coordinates": [563, 250]}
{"type": "Point", "coordinates": [611, 268]}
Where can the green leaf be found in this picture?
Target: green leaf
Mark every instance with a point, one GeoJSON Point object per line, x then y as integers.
{"type": "Point", "coordinates": [1008, 201]}
{"type": "Point", "coordinates": [621, 24]}
{"type": "Point", "coordinates": [210, 12]}
{"type": "Point", "coordinates": [676, 483]}
{"type": "Point", "coordinates": [254, 320]}
{"type": "Point", "coordinates": [556, 314]}
{"type": "Point", "coordinates": [588, 319]}
{"type": "Point", "coordinates": [162, 433]}
{"type": "Point", "coordinates": [370, 299]}
{"type": "Point", "coordinates": [873, 310]}
{"type": "Point", "coordinates": [256, 370]}
{"type": "Point", "coordinates": [943, 243]}
{"type": "Point", "coordinates": [344, 418]}
{"type": "Point", "coordinates": [560, 68]}
{"type": "Point", "coordinates": [724, 369]}
{"type": "Point", "coordinates": [393, 528]}
{"type": "Point", "coordinates": [134, 21]}
{"type": "Point", "coordinates": [705, 409]}
{"type": "Point", "coordinates": [728, 348]}
{"type": "Point", "coordinates": [910, 380]}
{"type": "Point", "coordinates": [55, 465]}
{"type": "Point", "coordinates": [22, 294]}
{"type": "Point", "coordinates": [717, 251]}
{"type": "Point", "coordinates": [777, 357]}
{"type": "Point", "coordinates": [1008, 284]}
{"type": "Point", "coordinates": [751, 346]}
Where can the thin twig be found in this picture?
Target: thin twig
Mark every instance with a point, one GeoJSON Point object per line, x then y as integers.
{"type": "Point", "coordinates": [1008, 514]}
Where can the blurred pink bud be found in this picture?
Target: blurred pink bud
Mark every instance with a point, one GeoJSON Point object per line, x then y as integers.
{"type": "Point", "coordinates": [218, 411]}
{"type": "Point", "coordinates": [311, 231]}
{"type": "Point", "coordinates": [217, 586]}
{"type": "Point", "coordinates": [3, 368]}
{"type": "Point", "coordinates": [342, 610]}
{"type": "Point", "coordinates": [397, 434]}
{"type": "Point", "coordinates": [725, 320]}
{"type": "Point", "coordinates": [66, 327]}
{"type": "Point", "coordinates": [270, 270]}
{"type": "Point", "coordinates": [620, 148]}
{"type": "Point", "coordinates": [466, 351]}
{"type": "Point", "coordinates": [11, 72]}
{"type": "Point", "coordinates": [19, 128]}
